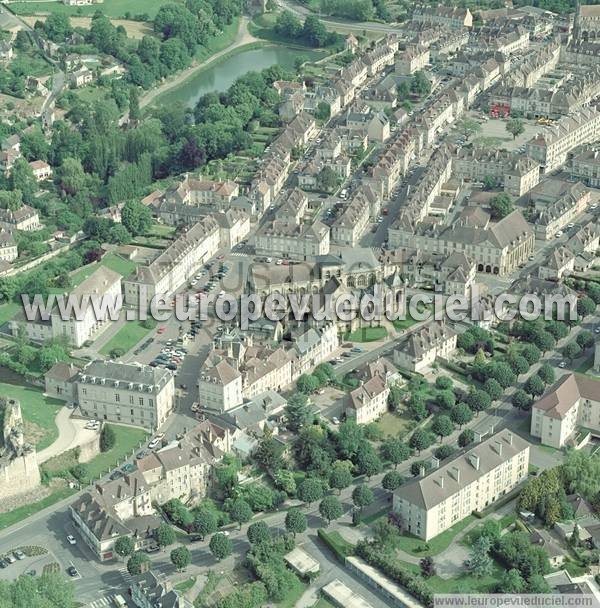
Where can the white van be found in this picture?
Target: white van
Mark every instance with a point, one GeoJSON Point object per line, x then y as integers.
{"type": "Point", "coordinates": [119, 601]}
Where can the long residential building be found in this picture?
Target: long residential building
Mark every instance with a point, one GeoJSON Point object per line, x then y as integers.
{"type": "Point", "coordinates": [468, 482]}
{"type": "Point", "coordinates": [551, 147]}
{"type": "Point", "coordinates": [571, 403]}
{"type": "Point", "coordinates": [126, 506]}
{"type": "Point", "coordinates": [104, 285]}
{"type": "Point", "coordinates": [174, 266]}
{"type": "Point", "coordinates": [424, 346]}
{"type": "Point", "coordinates": [446, 16]}
{"type": "Point", "coordinates": [586, 166]}
{"type": "Point", "coordinates": [518, 174]}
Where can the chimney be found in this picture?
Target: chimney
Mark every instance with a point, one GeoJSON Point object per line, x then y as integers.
{"type": "Point", "coordinates": [441, 482]}
{"type": "Point", "coordinates": [456, 474]}
{"type": "Point", "coordinates": [499, 447]}
{"type": "Point", "coordinates": [422, 471]}
{"type": "Point", "coordinates": [474, 460]}
{"type": "Point", "coordinates": [435, 462]}
{"type": "Point", "coordinates": [509, 438]}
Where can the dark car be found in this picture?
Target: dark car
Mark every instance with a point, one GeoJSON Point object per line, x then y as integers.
{"type": "Point", "coordinates": [116, 475]}
{"type": "Point", "coordinates": [3, 564]}
{"type": "Point", "coordinates": [152, 548]}
{"type": "Point", "coordinates": [194, 538]}
{"type": "Point", "coordinates": [72, 571]}
{"type": "Point", "coordinates": [172, 367]}
{"type": "Point", "coordinates": [142, 454]}
{"type": "Point", "coordinates": [128, 468]}
{"type": "Point", "coordinates": [154, 363]}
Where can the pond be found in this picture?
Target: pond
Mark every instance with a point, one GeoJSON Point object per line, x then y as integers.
{"type": "Point", "coordinates": [222, 74]}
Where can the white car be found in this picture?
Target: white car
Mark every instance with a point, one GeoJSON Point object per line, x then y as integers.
{"type": "Point", "coordinates": [154, 443]}
{"type": "Point", "coordinates": [269, 260]}
{"type": "Point", "coordinates": [279, 262]}
{"type": "Point", "coordinates": [71, 540]}
{"type": "Point", "coordinates": [594, 206]}
{"type": "Point", "coordinates": [597, 330]}
{"type": "Point", "coordinates": [571, 225]}
{"type": "Point", "coordinates": [335, 420]}
{"type": "Point", "coordinates": [562, 365]}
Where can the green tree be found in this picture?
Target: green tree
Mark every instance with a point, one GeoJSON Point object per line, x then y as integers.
{"type": "Point", "coordinates": [330, 508]}
{"type": "Point", "coordinates": [220, 546]}
{"type": "Point", "coordinates": [546, 373]}
{"type": "Point", "coordinates": [240, 511]}
{"type": "Point", "coordinates": [310, 490]}
{"type": "Point", "coordinates": [468, 126]}
{"type": "Point", "coordinates": [420, 440]}
{"type": "Point", "coordinates": [417, 407]}
{"type": "Point", "coordinates": [395, 450]}
{"type": "Point", "coordinates": [480, 562]}
{"type": "Point", "coordinates": [391, 480]}
{"type": "Point", "coordinates": [571, 351]}
{"type": "Point", "coordinates": [445, 399]}
{"type": "Point", "coordinates": [442, 426]}
{"type": "Point", "coordinates": [22, 179]}
{"type": "Point", "coordinates": [295, 521]}
{"type": "Point", "coordinates": [258, 532]}
{"type": "Point", "coordinates": [521, 400]}
{"type": "Point", "coordinates": [531, 353]}
{"type": "Point", "coordinates": [108, 438]}
{"type": "Point", "coordinates": [297, 412]}
{"type": "Point", "coordinates": [136, 218]}
{"type": "Point", "coordinates": [478, 400]}
{"type": "Point", "coordinates": [512, 582]}
{"type": "Point", "coordinates": [307, 384]}
{"type": "Point", "coordinates": [515, 127]}
{"type": "Point", "coordinates": [340, 476]}
{"type": "Point", "coordinates": [493, 389]}
{"type": "Point", "coordinates": [181, 558]}
{"type": "Point", "coordinates": [165, 535]}
{"type": "Point", "coordinates": [501, 206]}
{"type": "Point", "coordinates": [585, 339]}
{"type": "Point", "coordinates": [466, 437]}
{"type": "Point", "coordinates": [461, 414]}
{"type": "Point", "coordinates": [137, 563]}
{"type": "Point", "coordinates": [443, 383]}
{"type": "Point", "coordinates": [124, 546]}
{"type": "Point", "coordinates": [534, 386]}
{"type": "Point", "coordinates": [205, 522]}
{"type": "Point", "coordinates": [362, 496]}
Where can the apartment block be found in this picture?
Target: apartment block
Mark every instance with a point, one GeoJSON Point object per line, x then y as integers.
{"type": "Point", "coordinates": [586, 166]}
{"type": "Point", "coordinates": [133, 394]}
{"type": "Point", "coordinates": [572, 402]}
{"type": "Point", "coordinates": [413, 59]}
{"type": "Point", "coordinates": [24, 218]}
{"type": "Point", "coordinates": [174, 266]}
{"type": "Point", "coordinates": [369, 401]}
{"type": "Point", "coordinates": [424, 346]}
{"type": "Point", "coordinates": [551, 147]}
{"type": "Point", "coordinates": [446, 16]}
{"type": "Point", "coordinates": [468, 482]}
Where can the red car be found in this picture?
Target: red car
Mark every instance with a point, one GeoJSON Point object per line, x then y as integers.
{"type": "Point", "coordinates": [220, 257]}
{"type": "Point", "coordinates": [161, 330]}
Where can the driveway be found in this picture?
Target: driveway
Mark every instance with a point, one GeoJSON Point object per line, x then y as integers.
{"type": "Point", "coordinates": [71, 434]}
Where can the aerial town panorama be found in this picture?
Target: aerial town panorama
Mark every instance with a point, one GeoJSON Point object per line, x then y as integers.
{"type": "Point", "coordinates": [299, 303]}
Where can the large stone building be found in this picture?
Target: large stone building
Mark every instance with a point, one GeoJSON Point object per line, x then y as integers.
{"type": "Point", "coordinates": [447, 16]}
{"type": "Point", "coordinates": [174, 266]}
{"type": "Point", "coordinates": [126, 506]}
{"type": "Point", "coordinates": [586, 166]}
{"type": "Point", "coordinates": [551, 147]}
{"type": "Point", "coordinates": [128, 393]}
{"type": "Point", "coordinates": [425, 345]}
{"type": "Point", "coordinates": [468, 482]}
{"type": "Point", "coordinates": [572, 402]}
{"type": "Point", "coordinates": [517, 173]}
{"type": "Point", "coordinates": [102, 287]}
{"type": "Point", "coordinates": [587, 22]}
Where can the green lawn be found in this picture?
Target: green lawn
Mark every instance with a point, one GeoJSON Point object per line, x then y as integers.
{"type": "Point", "coordinates": [110, 260]}
{"type": "Point", "coordinates": [37, 409]}
{"type": "Point", "coordinates": [586, 365]}
{"type": "Point", "coordinates": [367, 334]}
{"type": "Point", "coordinates": [126, 338]}
{"type": "Point", "coordinates": [18, 515]}
{"type": "Point", "coordinates": [128, 439]}
{"type": "Point", "coordinates": [323, 603]}
{"type": "Point", "coordinates": [220, 42]}
{"type": "Point", "coordinates": [8, 311]}
{"type": "Point", "coordinates": [411, 544]}
{"type": "Point", "coordinates": [111, 8]}
{"type": "Point", "coordinates": [395, 425]}
{"type": "Point", "coordinates": [186, 585]}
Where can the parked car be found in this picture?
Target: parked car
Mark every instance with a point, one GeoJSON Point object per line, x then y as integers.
{"type": "Point", "coordinates": [116, 475]}
{"type": "Point", "coordinates": [128, 468]}
{"type": "Point", "coordinates": [19, 554]}
{"type": "Point", "coordinates": [11, 559]}
{"type": "Point", "coordinates": [3, 564]}
{"type": "Point", "coordinates": [142, 454]}
{"type": "Point", "coordinates": [152, 548]}
{"type": "Point", "coordinates": [71, 540]}
{"type": "Point", "coordinates": [155, 441]}
{"type": "Point", "coordinates": [72, 571]}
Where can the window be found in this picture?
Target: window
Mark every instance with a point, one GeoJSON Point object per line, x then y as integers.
{"type": "Point", "coordinates": [117, 398]}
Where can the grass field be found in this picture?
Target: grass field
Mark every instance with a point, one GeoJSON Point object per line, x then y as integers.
{"type": "Point", "coordinates": [323, 603]}
{"type": "Point", "coordinates": [128, 440]}
{"type": "Point", "coordinates": [111, 8]}
{"type": "Point", "coordinates": [395, 425]}
{"type": "Point", "coordinates": [367, 334]}
{"type": "Point", "coordinates": [17, 515]}
{"type": "Point", "coordinates": [126, 338]}
{"type": "Point", "coordinates": [110, 260]}
{"type": "Point", "coordinates": [413, 545]}
{"type": "Point", "coordinates": [220, 42]}
{"type": "Point", "coordinates": [36, 409]}
{"type": "Point", "coordinates": [8, 311]}
{"type": "Point", "coordinates": [186, 585]}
